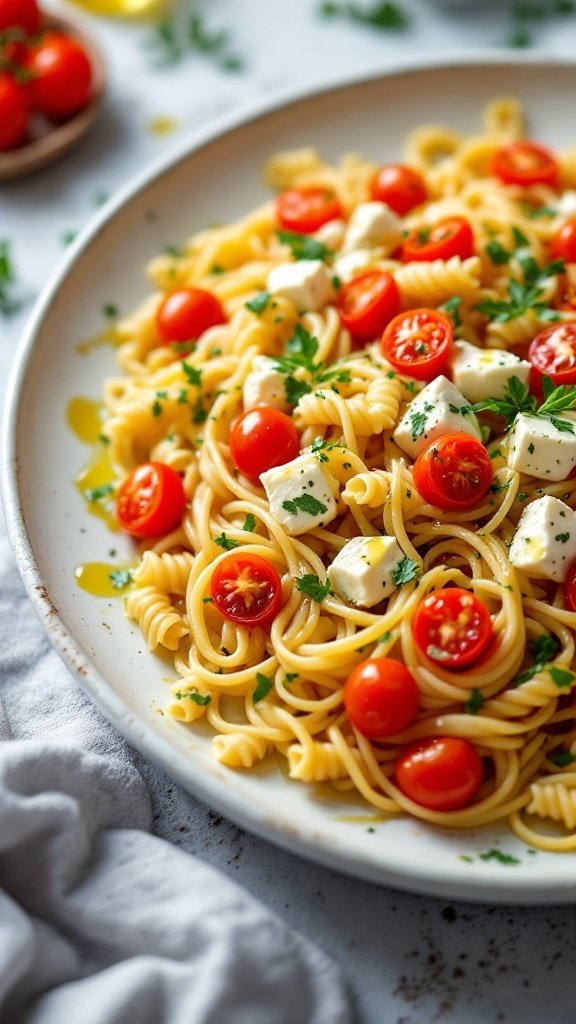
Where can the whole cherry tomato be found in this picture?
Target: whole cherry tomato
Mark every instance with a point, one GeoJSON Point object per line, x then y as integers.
{"type": "Point", "coordinates": [23, 14]}
{"type": "Point", "coordinates": [570, 588]}
{"type": "Point", "coordinates": [60, 76]}
{"type": "Point", "coordinates": [454, 472]}
{"type": "Point", "coordinates": [563, 245]}
{"type": "Point", "coordinates": [552, 353]}
{"type": "Point", "coordinates": [262, 438]}
{"type": "Point", "coordinates": [381, 697]}
{"type": "Point", "coordinates": [442, 774]}
{"type": "Point", "coordinates": [151, 500]}
{"type": "Point", "coordinates": [399, 187]}
{"type": "Point", "coordinates": [452, 627]}
{"type": "Point", "coordinates": [185, 314]}
{"type": "Point", "coordinates": [14, 113]}
{"type": "Point", "coordinates": [246, 589]}
{"type": "Point", "coordinates": [306, 209]}
{"type": "Point", "coordinates": [418, 343]}
{"type": "Point", "coordinates": [525, 163]}
{"type": "Point", "coordinates": [452, 236]}
{"type": "Point", "coordinates": [367, 303]}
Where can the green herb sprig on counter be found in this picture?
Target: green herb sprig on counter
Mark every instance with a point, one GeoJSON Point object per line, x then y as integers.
{"type": "Point", "coordinates": [381, 15]}
{"type": "Point", "coordinates": [8, 304]}
{"type": "Point", "coordinates": [172, 42]}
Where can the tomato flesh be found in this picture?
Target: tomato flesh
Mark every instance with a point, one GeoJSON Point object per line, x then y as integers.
{"type": "Point", "coordinates": [151, 500]}
{"type": "Point", "coordinates": [452, 627]}
{"type": "Point", "coordinates": [418, 343]}
{"type": "Point", "coordinates": [525, 163]}
{"type": "Point", "coordinates": [185, 314]}
{"type": "Point", "coordinates": [246, 589]}
{"type": "Point", "coordinates": [60, 76]}
{"type": "Point", "coordinates": [450, 237]}
{"type": "Point", "coordinates": [367, 303]}
{"type": "Point", "coordinates": [563, 245]}
{"type": "Point", "coordinates": [570, 588]}
{"type": "Point", "coordinates": [381, 697]}
{"type": "Point", "coordinates": [400, 187]}
{"type": "Point", "coordinates": [552, 353]}
{"type": "Point", "coordinates": [454, 472]}
{"type": "Point", "coordinates": [306, 209]}
{"type": "Point", "coordinates": [442, 774]}
{"type": "Point", "coordinates": [24, 14]}
{"type": "Point", "coordinates": [262, 438]}
{"type": "Point", "coordinates": [14, 113]}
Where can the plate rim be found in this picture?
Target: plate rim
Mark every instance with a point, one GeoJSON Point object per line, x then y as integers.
{"type": "Point", "coordinates": [437, 881]}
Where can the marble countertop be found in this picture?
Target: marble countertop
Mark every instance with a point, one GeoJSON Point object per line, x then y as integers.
{"type": "Point", "coordinates": [408, 959]}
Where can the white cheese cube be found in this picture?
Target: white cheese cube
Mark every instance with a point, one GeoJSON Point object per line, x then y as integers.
{"type": "Point", "coordinates": [481, 373]}
{"type": "Point", "coordinates": [352, 263]}
{"type": "Point", "coordinates": [438, 409]}
{"type": "Point", "coordinates": [373, 224]}
{"type": "Point", "coordinates": [307, 283]}
{"type": "Point", "coordinates": [301, 494]}
{"type": "Point", "coordinates": [265, 385]}
{"type": "Point", "coordinates": [540, 449]}
{"type": "Point", "coordinates": [545, 541]}
{"type": "Point", "coordinates": [566, 204]}
{"type": "Point", "coordinates": [331, 233]}
{"type": "Point", "coordinates": [362, 571]}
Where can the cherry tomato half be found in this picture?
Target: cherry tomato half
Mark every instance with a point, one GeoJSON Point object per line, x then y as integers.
{"type": "Point", "coordinates": [151, 500]}
{"type": "Point", "coordinates": [563, 245]}
{"type": "Point", "coordinates": [60, 76]}
{"type": "Point", "coordinates": [246, 589]}
{"type": "Point", "coordinates": [552, 353]}
{"type": "Point", "coordinates": [399, 187]}
{"type": "Point", "coordinates": [418, 343]}
{"type": "Point", "coordinates": [442, 774]}
{"type": "Point", "coordinates": [185, 314]}
{"type": "Point", "coordinates": [570, 588]}
{"type": "Point", "coordinates": [24, 14]}
{"type": "Point", "coordinates": [306, 209]}
{"type": "Point", "coordinates": [14, 113]}
{"type": "Point", "coordinates": [381, 697]}
{"type": "Point", "coordinates": [452, 627]}
{"type": "Point", "coordinates": [454, 472]}
{"type": "Point", "coordinates": [524, 163]}
{"type": "Point", "coordinates": [262, 438]}
{"type": "Point", "coordinates": [367, 303]}
{"type": "Point", "coordinates": [450, 237]}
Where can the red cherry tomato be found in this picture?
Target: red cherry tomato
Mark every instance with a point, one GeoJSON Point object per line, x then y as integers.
{"type": "Point", "coordinates": [14, 113]}
{"type": "Point", "coordinates": [418, 343]}
{"type": "Point", "coordinates": [381, 697]}
{"type": "Point", "coordinates": [400, 187]}
{"type": "Point", "coordinates": [452, 627]}
{"type": "Point", "coordinates": [185, 314]}
{"type": "Point", "coordinates": [61, 76]}
{"type": "Point", "coordinates": [454, 472]}
{"type": "Point", "coordinates": [450, 237]}
{"type": "Point", "coordinates": [563, 245]}
{"type": "Point", "coordinates": [442, 774]}
{"type": "Point", "coordinates": [262, 438]}
{"type": "Point", "coordinates": [552, 353]}
{"type": "Point", "coordinates": [151, 500]}
{"type": "Point", "coordinates": [246, 589]}
{"type": "Point", "coordinates": [24, 14]}
{"type": "Point", "coordinates": [524, 163]}
{"type": "Point", "coordinates": [367, 303]}
{"type": "Point", "coordinates": [570, 588]}
{"type": "Point", "coordinates": [306, 209]}
{"type": "Point", "coordinates": [566, 295]}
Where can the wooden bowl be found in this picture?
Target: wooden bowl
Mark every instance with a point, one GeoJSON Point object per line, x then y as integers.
{"type": "Point", "coordinates": [51, 141]}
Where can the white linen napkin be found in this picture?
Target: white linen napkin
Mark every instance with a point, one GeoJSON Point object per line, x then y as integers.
{"type": "Point", "coordinates": [100, 921]}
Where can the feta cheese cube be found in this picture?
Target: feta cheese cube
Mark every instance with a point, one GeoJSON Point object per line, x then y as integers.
{"type": "Point", "coordinates": [362, 571]}
{"type": "Point", "coordinates": [331, 233]}
{"type": "Point", "coordinates": [481, 373]}
{"type": "Point", "coordinates": [373, 224]}
{"type": "Point", "coordinates": [348, 266]}
{"type": "Point", "coordinates": [545, 540]}
{"type": "Point", "coordinates": [566, 204]}
{"type": "Point", "coordinates": [540, 449]}
{"type": "Point", "coordinates": [265, 385]}
{"type": "Point", "coordinates": [301, 494]}
{"type": "Point", "coordinates": [438, 409]}
{"type": "Point", "coordinates": [307, 283]}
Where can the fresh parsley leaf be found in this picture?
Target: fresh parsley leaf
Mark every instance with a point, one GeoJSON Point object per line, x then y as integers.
{"type": "Point", "coordinates": [562, 758]}
{"type": "Point", "coordinates": [300, 351]}
{"type": "Point", "coordinates": [502, 858]}
{"type": "Point", "coordinates": [97, 493]}
{"type": "Point", "coordinates": [193, 376]}
{"type": "Point", "coordinates": [225, 542]}
{"type": "Point", "coordinates": [8, 304]}
{"type": "Point", "coordinates": [497, 253]}
{"type": "Point", "coordinates": [418, 424]}
{"type": "Point", "coordinates": [311, 586]}
{"type": "Point", "coordinates": [474, 702]}
{"type": "Point", "coordinates": [249, 523]}
{"type": "Point", "coordinates": [120, 578]}
{"type": "Point", "coordinates": [544, 648]}
{"type": "Point", "coordinates": [258, 303]}
{"type": "Point", "coordinates": [540, 211]}
{"type": "Point", "coordinates": [199, 414]}
{"type": "Point", "coordinates": [382, 15]}
{"type": "Point", "coordinates": [291, 676]}
{"type": "Point", "coordinates": [385, 637]}
{"type": "Point", "coordinates": [263, 687]}
{"type": "Point", "coordinates": [111, 311]}
{"type": "Point", "coordinates": [172, 42]}
{"type": "Point", "coordinates": [156, 408]}
{"type": "Point", "coordinates": [304, 247]}
{"type": "Point", "coordinates": [517, 398]}
{"type": "Point", "coordinates": [452, 308]}
{"type": "Point", "coordinates": [295, 389]}
{"type": "Point", "coordinates": [406, 571]}
{"type": "Point", "coordinates": [560, 677]}
{"type": "Point", "coordinates": [305, 503]}
{"type": "Point", "coordinates": [202, 699]}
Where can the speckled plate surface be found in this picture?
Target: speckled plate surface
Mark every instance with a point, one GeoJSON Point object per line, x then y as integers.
{"type": "Point", "coordinates": [215, 178]}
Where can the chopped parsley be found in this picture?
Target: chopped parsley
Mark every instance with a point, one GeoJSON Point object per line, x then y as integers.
{"type": "Point", "coordinates": [562, 758]}
{"type": "Point", "coordinates": [385, 637]}
{"type": "Point", "coordinates": [172, 41]}
{"type": "Point", "coordinates": [300, 353]}
{"type": "Point", "coordinates": [97, 493]}
{"type": "Point", "coordinates": [406, 571]}
{"type": "Point", "coordinates": [291, 676]}
{"type": "Point", "coordinates": [111, 311]}
{"type": "Point", "coordinates": [383, 15]}
{"type": "Point", "coordinates": [156, 408]}
{"type": "Point", "coordinates": [120, 578]}
{"type": "Point", "coordinates": [452, 308]}
{"type": "Point", "coordinates": [199, 414]}
{"type": "Point", "coordinates": [201, 699]}
{"type": "Point", "coordinates": [258, 303]}
{"type": "Point", "coordinates": [225, 542]}
{"type": "Point", "coordinates": [193, 376]}
{"type": "Point", "coordinates": [517, 399]}
{"type": "Point", "coordinates": [304, 247]}
{"type": "Point", "coordinates": [418, 421]}
{"type": "Point", "coordinates": [524, 295]}
{"type": "Point", "coordinates": [543, 650]}
{"type": "Point", "coordinates": [305, 503]}
{"type": "Point", "coordinates": [263, 686]}
{"type": "Point", "coordinates": [502, 858]}
{"type": "Point", "coordinates": [474, 702]}
{"type": "Point", "coordinates": [249, 523]}
{"type": "Point", "coordinates": [8, 304]}
{"type": "Point", "coordinates": [560, 677]}
{"type": "Point", "coordinates": [207, 600]}
{"type": "Point", "coordinates": [311, 586]}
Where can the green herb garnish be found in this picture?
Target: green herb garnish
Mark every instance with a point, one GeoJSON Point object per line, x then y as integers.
{"type": "Point", "coordinates": [304, 247]}
{"type": "Point", "coordinates": [312, 587]}
{"type": "Point", "coordinates": [226, 542]}
{"type": "Point", "coordinates": [8, 304]}
{"type": "Point", "coordinates": [381, 15]}
{"type": "Point", "coordinates": [120, 578]}
{"type": "Point", "coordinates": [305, 503]}
{"type": "Point", "coordinates": [474, 702]}
{"type": "Point", "coordinates": [502, 858]}
{"type": "Point", "coordinates": [249, 523]}
{"type": "Point", "coordinates": [202, 699]}
{"type": "Point", "coordinates": [263, 687]}
{"type": "Point", "coordinates": [406, 571]}
{"type": "Point", "coordinates": [258, 303]}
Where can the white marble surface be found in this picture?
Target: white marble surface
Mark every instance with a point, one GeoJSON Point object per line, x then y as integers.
{"type": "Point", "coordinates": [408, 960]}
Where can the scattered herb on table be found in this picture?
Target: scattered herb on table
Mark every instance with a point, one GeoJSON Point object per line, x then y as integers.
{"type": "Point", "coordinates": [381, 15]}
{"type": "Point", "coordinates": [172, 41]}
{"type": "Point", "coordinates": [8, 304]}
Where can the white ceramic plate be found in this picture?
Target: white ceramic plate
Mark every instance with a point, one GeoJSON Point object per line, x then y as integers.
{"type": "Point", "coordinates": [214, 179]}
